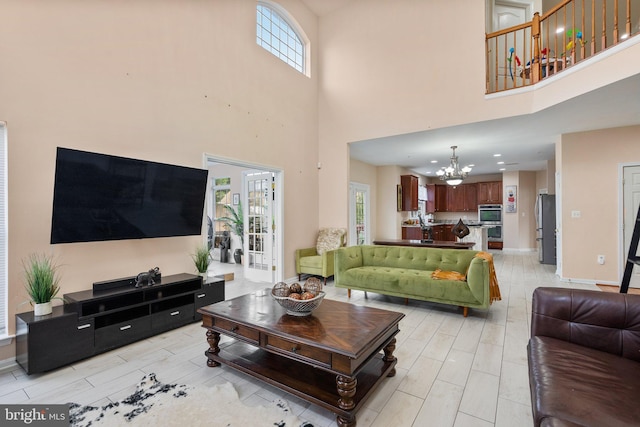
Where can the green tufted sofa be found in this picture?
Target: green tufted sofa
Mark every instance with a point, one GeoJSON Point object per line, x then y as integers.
{"type": "Point", "coordinates": [406, 272]}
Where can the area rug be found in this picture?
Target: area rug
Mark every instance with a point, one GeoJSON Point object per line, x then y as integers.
{"type": "Point", "coordinates": [157, 404]}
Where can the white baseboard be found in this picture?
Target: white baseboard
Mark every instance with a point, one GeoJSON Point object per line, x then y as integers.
{"type": "Point", "coordinates": [8, 364]}
{"type": "Point", "coordinates": [588, 281]}
{"type": "Point", "coordinates": [518, 250]}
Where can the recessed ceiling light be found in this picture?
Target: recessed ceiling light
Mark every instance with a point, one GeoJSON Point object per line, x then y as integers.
{"type": "Point", "coordinates": [501, 163]}
{"type": "Point", "coordinates": [497, 155]}
{"type": "Point", "coordinates": [434, 161]}
{"type": "Point", "coordinates": [503, 169]}
{"type": "Point", "coordinates": [471, 165]}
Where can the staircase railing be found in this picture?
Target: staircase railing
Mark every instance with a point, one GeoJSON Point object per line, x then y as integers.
{"type": "Point", "coordinates": [571, 32]}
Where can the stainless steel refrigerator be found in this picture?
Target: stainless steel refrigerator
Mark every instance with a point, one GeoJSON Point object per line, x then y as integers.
{"type": "Point", "coordinates": [546, 228]}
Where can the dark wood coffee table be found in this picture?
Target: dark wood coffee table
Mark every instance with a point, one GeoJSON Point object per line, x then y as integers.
{"type": "Point", "coordinates": [332, 358]}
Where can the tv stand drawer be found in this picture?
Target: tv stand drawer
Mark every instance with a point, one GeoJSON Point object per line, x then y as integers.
{"type": "Point", "coordinates": [122, 333]}
{"type": "Point", "coordinates": [169, 319]}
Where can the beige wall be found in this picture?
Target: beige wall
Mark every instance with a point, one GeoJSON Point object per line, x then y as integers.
{"type": "Point", "coordinates": [591, 183]}
{"type": "Point", "coordinates": [160, 80]}
{"type": "Point", "coordinates": [400, 77]}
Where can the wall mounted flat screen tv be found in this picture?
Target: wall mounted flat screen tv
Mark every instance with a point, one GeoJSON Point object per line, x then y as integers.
{"type": "Point", "coordinates": [99, 197]}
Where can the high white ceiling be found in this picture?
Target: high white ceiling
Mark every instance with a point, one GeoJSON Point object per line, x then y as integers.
{"type": "Point", "coordinates": [525, 142]}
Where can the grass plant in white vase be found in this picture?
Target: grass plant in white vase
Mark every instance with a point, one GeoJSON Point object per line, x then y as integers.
{"type": "Point", "coordinates": [42, 282]}
{"type": "Point", "coordinates": [202, 259]}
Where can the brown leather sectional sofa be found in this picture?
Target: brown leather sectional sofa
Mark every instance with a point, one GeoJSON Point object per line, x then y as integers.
{"type": "Point", "coordinates": [584, 358]}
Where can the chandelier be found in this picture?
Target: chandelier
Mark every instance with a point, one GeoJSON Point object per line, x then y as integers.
{"type": "Point", "coordinates": [453, 175]}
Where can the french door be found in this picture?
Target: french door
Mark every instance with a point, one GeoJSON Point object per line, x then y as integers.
{"type": "Point", "coordinates": [359, 228]}
{"type": "Point", "coordinates": [259, 225]}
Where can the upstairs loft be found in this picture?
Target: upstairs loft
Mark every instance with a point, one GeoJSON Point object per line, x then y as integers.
{"type": "Point", "coordinates": [570, 33]}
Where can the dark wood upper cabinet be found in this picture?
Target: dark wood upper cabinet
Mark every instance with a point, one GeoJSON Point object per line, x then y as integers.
{"type": "Point", "coordinates": [490, 192]}
{"type": "Point", "coordinates": [440, 198]}
{"type": "Point", "coordinates": [431, 198]}
{"type": "Point", "coordinates": [409, 185]}
{"type": "Point", "coordinates": [470, 197]}
{"type": "Point", "coordinates": [461, 198]}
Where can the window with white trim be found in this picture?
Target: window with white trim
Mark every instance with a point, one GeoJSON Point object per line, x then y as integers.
{"type": "Point", "coordinates": [277, 33]}
{"type": "Point", "coordinates": [3, 230]}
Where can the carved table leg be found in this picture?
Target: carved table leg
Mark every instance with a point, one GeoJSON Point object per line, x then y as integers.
{"type": "Point", "coordinates": [346, 390]}
{"type": "Point", "coordinates": [213, 338]}
{"type": "Point", "coordinates": [388, 355]}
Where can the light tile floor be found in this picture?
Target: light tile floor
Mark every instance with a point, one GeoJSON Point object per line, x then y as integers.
{"type": "Point", "coordinates": [452, 371]}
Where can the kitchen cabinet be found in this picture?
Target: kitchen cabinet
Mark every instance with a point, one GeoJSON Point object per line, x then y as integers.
{"type": "Point", "coordinates": [443, 233]}
{"type": "Point", "coordinates": [431, 198]}
{"type": "Point", "coordinates": [440, 198]}
{"type": "Point", "coordinates": [409, 184]}
{"type": "Point", "coordinates": [437, 232]}
{"type": "Point", "coordinates": [462, 198]}
{"type": "Point", "coordinates": [490, 192]}
{"type": "Point", "coordinates": [447, 233]}
{"type": "Point", "coordinates": [411, 233]}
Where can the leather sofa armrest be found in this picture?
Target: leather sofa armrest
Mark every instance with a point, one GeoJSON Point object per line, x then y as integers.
{"type": "Point", "coordinates": [601, 320]}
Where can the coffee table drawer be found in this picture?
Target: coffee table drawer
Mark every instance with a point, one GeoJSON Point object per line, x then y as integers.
{"type": "Point", "coordinates": [237, 329]}
{"type": "Point", "coordinates": [298, 350]}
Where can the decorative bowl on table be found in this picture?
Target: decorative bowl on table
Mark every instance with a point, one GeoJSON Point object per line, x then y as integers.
{"type": "Point", "coordinates": [299, 300]}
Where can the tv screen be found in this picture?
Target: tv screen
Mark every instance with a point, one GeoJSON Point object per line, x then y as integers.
{"type": "Point", "coordinates": [100, 197]}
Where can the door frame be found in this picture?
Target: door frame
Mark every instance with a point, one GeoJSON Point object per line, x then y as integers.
{"type": "Point", "coordinates": [622, 254]}
{"type": "Point", "coordinates": [278, 207]}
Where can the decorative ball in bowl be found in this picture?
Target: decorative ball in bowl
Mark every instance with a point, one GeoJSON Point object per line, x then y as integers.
{"type": "Point", "coordinates": [299, 300]}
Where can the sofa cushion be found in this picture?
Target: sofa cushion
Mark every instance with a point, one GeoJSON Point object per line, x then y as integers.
{"type": "Point", "coordinates": [427, 259]}
{"type": "Point", "coordinates": [576, 385]}
{"type": "Point", "coordinates": [410, 282]}
{"type": "Point", "coordinates": [329, 239]}
{"type": "Point", "coordinates": [311, 261]}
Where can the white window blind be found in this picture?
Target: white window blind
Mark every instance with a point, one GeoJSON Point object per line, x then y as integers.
{"type": "Point", "coordinates": [3, 230]}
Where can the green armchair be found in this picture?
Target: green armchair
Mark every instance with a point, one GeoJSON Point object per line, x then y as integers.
{"type": "Point", "coordinates": [318, 261]}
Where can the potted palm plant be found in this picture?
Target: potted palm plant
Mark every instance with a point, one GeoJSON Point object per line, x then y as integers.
{"type": "Point", "coordinates": [42, 282]}
{"type": "Point", "coordinates": [201, 259]}
{"type": "Point", "coordinates": [235, 222]}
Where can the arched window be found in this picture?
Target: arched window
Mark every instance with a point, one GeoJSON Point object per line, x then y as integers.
{"type": "Point", "coordinates": [277, 32]}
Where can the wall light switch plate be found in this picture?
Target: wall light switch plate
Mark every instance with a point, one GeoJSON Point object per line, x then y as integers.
{"type": "Point", "coordinates": [575, 214]}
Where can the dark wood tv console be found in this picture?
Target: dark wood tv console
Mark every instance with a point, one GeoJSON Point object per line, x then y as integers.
{"type": "Point", "coordinates": [94, 321]}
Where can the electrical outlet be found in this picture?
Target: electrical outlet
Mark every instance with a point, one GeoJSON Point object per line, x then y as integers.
{"type": "Point", "coordinates": [575, 214]}
{"type": "Point", "coordinates": [600, 259]}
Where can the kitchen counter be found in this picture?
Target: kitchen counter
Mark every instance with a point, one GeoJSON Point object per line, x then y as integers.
{"type": "Point", "coordinates": [419, 243]}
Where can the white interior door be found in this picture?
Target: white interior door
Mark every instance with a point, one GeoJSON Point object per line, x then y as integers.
{"type": "Point", "coordinates": [631, 201]}
{"type": "Point", "coordinates": [507, 14]}
{"type": "Point", "coordinates": [259, 226]}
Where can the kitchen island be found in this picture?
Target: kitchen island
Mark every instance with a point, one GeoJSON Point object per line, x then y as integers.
{"type": "Point", "coordinates": [443, 244]}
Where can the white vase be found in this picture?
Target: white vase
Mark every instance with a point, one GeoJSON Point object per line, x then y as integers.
{"type": "Point", "coordinates": [42, 309]}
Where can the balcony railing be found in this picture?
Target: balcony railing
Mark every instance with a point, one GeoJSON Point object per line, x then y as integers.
{"type": "Point", "coordinates": [569, 33]}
